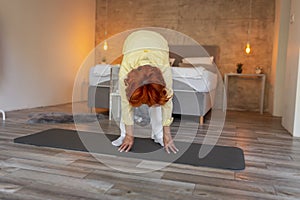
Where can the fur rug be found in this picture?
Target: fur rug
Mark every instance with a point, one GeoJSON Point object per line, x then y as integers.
{"type": "Point", "coordinates": [59, 117]}
{"type": "Point", "coordinates": [141, 117]}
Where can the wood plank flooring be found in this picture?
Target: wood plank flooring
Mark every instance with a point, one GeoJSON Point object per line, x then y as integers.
{"type": "Point", "coordinates": [29, 172]}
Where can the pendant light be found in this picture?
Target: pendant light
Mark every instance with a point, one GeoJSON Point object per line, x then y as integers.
{"type": "Point", "coordinates": [248, 46]}
{"type": "Point", "coordinates": [105, 45]}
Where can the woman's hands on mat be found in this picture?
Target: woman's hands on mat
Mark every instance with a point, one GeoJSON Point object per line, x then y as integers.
{"type": "Point", "coordinates": [129, 140]}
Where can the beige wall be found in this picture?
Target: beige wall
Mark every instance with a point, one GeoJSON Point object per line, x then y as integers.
{"type": "Point", "coordinates": [291, 111]}
{"type": "Point", "coordinates": [218, 22]}
{"type": "Point", "coordinates": [42, 44]}
{"type": "Point", "coordinates": [277, 74]}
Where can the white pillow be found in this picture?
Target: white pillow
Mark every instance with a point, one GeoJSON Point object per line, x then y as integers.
{"type": "Point", "coordinates": [172, 60]}
{"type": "Point", "coordinates": [199, 60]}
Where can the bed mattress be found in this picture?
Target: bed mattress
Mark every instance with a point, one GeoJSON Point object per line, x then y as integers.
{"type": "Point", "coordinates": [184, 78]}
{"type": "Point", "coordinates": [197, 78]}
{"type": "Point", "coordinates": [99, 74]}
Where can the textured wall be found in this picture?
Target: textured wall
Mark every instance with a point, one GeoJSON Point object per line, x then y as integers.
{"type": "Point", "coordinates": [210, 22]}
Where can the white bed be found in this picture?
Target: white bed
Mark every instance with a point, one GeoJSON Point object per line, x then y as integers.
{"type": "Point", "coordinates": [194, 87]}
{"type": "Point", "coordinates": [195, 96]}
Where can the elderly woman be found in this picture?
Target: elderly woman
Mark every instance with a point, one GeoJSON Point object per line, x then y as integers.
{"type": "Point", "coordinates": [145, 77]}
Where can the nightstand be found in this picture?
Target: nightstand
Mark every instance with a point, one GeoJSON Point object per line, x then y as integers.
{"type": "Point", "coordinates": [263, 83]}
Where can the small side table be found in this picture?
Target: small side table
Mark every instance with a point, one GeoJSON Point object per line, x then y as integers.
{"type": "Point", "coordinates": [3, 114]}
{"type": "Point", "coordinates": [263, 78]}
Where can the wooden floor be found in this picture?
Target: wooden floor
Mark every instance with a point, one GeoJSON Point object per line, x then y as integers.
{"type": "Point", "coordinates": [272, 165]}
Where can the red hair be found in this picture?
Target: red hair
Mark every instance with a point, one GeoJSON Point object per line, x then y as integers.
{"type": "Point", "coordinates": [146, 85]}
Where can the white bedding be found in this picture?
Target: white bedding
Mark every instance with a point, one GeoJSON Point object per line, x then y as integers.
{"type": "Point", "coordinates": [198, 78]}
{"type": "Point", "coordinates": [99, 74]}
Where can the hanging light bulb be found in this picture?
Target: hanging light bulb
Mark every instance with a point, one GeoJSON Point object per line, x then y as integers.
{"type": "Point", "coordinates": [105, 45]}
{"type": "Point", "coordinates": [248, 48]}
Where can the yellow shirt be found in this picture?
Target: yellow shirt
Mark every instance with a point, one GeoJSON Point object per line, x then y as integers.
{"type": "Point", "coordinates": [145, 48]}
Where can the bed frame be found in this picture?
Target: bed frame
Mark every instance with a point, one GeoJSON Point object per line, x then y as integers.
{"type": "Point", "coordinates": [186, 101]}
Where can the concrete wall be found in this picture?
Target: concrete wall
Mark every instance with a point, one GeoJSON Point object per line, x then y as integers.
{"type": "Point", "coordinates": [218, 22]}
{"type": "Point", "coordinates": [42, 44]}
{"type": "Point", "coordinates": [291, 112]}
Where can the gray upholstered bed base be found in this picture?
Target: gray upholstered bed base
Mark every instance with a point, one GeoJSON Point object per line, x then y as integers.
{"type": "Point", "coordinates": [98, 96]}
{"type": "Point", "coordinates": [191, 103]}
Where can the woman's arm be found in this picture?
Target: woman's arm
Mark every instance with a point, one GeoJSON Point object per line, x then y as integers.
{"type": "Point", "coordinates": [126, 109]}
{"type": "Point", "coordinates": [167, 108]}
{"type": "Point", "coordinates": [167, 118]}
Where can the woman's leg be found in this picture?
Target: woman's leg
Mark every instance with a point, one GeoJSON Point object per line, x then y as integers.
{"type": "Point", "coordinates": [119, 141]}
{"type": "Point", "coordinates": [156, 124]}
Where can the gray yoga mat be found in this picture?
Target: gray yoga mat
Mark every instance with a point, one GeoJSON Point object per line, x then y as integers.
{"type": "Point", "coordinates": [222, 157]}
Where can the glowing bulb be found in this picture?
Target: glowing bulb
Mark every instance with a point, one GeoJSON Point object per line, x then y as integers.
{"type": "Point", "coordinates": [248, 48]}
{"type": "Point", "coordinates": [105, 46]}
